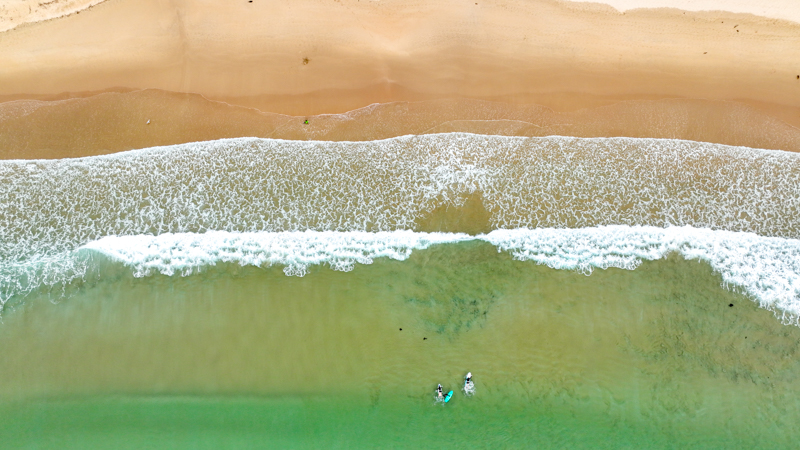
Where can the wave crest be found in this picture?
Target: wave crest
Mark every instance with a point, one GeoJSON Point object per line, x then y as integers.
{"type": "Point", "coordinates": [254, 185]}
{"type": "Point", "coordinates": [765, 268]}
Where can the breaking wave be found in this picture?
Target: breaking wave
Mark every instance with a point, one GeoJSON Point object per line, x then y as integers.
{"type": "Point", "coordinates": [249, 185]}
{"type": "Point", "coordinates": [571, 203]}
{"type": "Point", "coordinates": [765, 268]}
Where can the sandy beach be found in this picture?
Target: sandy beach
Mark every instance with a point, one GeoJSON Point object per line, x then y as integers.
{"type": "Point", "coordinates": [311, 57]}
{"type": "Point", "coordinates": [261, 223]}
{"type": "Point", "coordinates": [119, 121]}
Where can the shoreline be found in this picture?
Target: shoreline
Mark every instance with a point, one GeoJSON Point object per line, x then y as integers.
{"type": "Point", "coordinates": [118, 121]}
{"type": "Point", "coordinates": [294, 219]}
{"type": "Point", "coordinates": [13, 15]}
{"type": "Point", "coordinates": [520, 68]}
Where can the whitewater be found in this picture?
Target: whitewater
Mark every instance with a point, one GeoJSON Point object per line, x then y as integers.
{"type": "Point", "coordinates": [568, 203]}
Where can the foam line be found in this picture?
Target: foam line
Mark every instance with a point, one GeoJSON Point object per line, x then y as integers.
{"type": "Point", "coordinates": [253, 185]}
{"type": "Point", "coordinates": [56, 215]}
{"type": "Point", "coordinates": [766, 268]}
{"type": "Point", "coordinates": [185, 253]}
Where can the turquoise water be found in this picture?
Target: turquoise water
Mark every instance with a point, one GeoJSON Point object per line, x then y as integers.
{"type": "Point", "coordinates": [336, 423]}
{"type": "Point", "coordinates": [246, 293]}
{"type": "Point", "coordinates": [248, 357]}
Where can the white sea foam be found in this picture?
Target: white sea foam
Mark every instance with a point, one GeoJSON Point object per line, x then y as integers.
{"type": "Point", "coordinates": [185, 253]}
{"type": "Point", "coordinates": [765, 268]}
{"type": "Point", "coordinates": [54, 214]}
{"type": "Point", "coordinates": [251, 185]}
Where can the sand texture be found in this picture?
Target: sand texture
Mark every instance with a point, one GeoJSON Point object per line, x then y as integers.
{"type": "Point", "coordinates": [118, 121]}
{"type": "Point", "coordinates": [774, 9]}
{"type": "Point", "coordinates": [582, 69]}
{"type": "Point", "coordinates": [14, 13]}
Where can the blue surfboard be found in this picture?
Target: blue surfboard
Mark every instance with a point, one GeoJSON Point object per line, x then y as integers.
{"type": "Point", "coordinates": [447, 397]}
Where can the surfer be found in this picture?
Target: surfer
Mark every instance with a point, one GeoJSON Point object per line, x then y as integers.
{"type": "Point", "coordinates": [441, 396]}
{"type": "Point", "coordinates": [469, 386]}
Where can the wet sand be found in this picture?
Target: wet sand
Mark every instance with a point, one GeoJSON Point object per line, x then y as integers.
{"type": "Point", "coordinates": [117, 121]}
{"type": "Point", "coordinates": [99, 354]}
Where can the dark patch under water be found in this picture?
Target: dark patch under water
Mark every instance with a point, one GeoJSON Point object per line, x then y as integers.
{"type": "Point", "coordinates": [248, 357]}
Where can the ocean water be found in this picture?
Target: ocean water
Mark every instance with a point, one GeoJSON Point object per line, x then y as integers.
{"type": "Point", "coordinates": [605, 293]}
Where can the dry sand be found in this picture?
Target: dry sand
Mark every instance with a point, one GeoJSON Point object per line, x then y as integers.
{"type": "Point", "coordinates": [773, 9]}
{"type": "Point", "coordinates": [312, 57]}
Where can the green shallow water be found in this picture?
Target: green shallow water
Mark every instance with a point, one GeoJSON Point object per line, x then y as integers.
{"type": "Point", "coordinates": [248, 358]}
{"type": "Point", "coordinates": [323, 422]}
